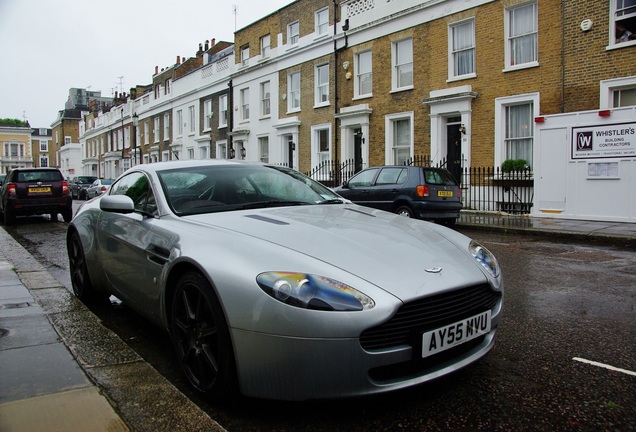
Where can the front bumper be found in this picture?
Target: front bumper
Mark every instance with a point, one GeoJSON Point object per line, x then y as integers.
{"type": "Point", "coordinates": [291, 368]}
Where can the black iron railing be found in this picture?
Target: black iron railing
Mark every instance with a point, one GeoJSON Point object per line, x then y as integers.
{"type": "Point", "coordinates": [485, 189]}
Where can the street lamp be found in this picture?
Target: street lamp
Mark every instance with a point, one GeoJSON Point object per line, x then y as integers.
{"type": "Point", "coordinates": [135, 122]}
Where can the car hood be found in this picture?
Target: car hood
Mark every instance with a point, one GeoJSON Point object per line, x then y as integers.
{"type": "Point", "coordinates": [406, 257]}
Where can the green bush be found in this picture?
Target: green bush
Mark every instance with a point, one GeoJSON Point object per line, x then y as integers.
{"type": "Point", "coordinates": [511, 165]}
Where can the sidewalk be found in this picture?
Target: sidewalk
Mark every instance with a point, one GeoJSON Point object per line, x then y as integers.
{"type": "Point", "coordinates": [62, 370]}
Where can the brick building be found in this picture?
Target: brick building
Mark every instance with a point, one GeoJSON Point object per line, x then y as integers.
{"type": "Point", "coordinates": [457, 81]}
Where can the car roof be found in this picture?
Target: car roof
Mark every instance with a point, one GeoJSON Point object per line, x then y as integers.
{"type": "Point", "coordinates": [165, 166]}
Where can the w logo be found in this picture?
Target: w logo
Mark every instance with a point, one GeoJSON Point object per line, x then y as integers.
{"type": "Point", "coordinates": [584, 141]}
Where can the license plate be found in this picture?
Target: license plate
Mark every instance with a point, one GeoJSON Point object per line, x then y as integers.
{"type": "Point", "coordinates": [39, 190]}
{"type": "Point", "coordinates": [444, 193]}
{"type": "Point", "coordinates": [444, 338]}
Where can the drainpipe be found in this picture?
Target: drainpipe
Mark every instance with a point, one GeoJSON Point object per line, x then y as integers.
{"type": "Point", "coordinates": [230, 118]}
{"type": "Point", "coordinates": [562, 56]}
{"type": "Point", "coordinates": [336, 50]}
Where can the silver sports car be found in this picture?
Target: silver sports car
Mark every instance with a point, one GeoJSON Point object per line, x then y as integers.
{"type": "Point", "coordinates": [273, 286]}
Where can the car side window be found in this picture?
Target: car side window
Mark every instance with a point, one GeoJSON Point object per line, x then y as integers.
{"type": "Point", "coordinates": [392, 175]}
{"type": "Point", "coordinates": [363, 178]}
{"type": "Point", "coordinates": [137, 187]}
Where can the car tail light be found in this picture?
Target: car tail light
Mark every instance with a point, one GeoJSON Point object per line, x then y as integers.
{"type": "Point", "coordinates": [11, 189]}
{"type": "Point", "coordinates": [459, 193]}
{"type": "Point", "coordinates": [65, 189]}
{"type": "Point", "coordinates": [103, 188]}
{"type": "Point", "coordinates": [422, 190]}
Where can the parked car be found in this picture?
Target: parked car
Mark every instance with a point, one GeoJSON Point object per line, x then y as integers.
{"type": "Point", "coordinates": [78, 186]}
{"type": "Point", "coordinates": [411, 191]}
{"type": "Point", "coordinates": [35, 191]}
{"type": "Point", "coordinates": [272, 285]}
{"type": "Point", "coordinates": [98, 187]}
{"type": "Point", "coordinates": [2, 176]}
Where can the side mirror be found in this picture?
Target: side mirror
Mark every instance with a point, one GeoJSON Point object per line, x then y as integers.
{"type": "Point", "coordinates": [345, 184]}
{"type": "Point", "coordinates": [117, 204]}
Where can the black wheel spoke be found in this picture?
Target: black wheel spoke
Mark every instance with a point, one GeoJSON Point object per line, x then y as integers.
{"type": "Point", "coordinates": [201, 341]}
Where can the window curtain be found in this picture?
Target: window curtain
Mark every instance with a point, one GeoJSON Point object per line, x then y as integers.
{"type": "Point", "coordinates": [519, 132]}
{"type": "Point", "coordinates": [523, 36]}
{"type": "Point", "coordinates": [464, 48]}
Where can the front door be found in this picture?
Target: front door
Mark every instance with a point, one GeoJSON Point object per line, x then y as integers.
{"type": "Point", "coordinates": [454, 147]}
{"type": "Point", "coordinates": [357, 150]}
{"type": "Point", "coordinates": [290, 151]}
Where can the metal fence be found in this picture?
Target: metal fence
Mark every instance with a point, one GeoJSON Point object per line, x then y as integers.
{"type": "Point", "coordinates": [485, 189]}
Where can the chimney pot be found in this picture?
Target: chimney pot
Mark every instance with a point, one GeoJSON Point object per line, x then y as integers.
{"type": "Point", "coordinates": [156, 70]}
{"type": "Point", "coordinates": [178, 59]}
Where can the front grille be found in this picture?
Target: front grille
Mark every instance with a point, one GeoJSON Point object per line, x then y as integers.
{"type": "Point", "coordinates": [428, 313]}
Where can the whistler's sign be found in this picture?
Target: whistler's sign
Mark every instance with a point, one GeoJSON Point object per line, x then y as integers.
{"type": "Point", "coordinates": [606, 141]}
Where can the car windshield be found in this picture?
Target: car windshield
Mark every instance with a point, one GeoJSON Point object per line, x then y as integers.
{"type": "Point", "coordinates": [208, 189]}
{"type": "Point", "coordinates": [86, 179]}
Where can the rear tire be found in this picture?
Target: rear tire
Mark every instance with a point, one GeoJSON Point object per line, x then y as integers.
{"type": "Point", "coordinates": [67, 214]}
{"type": "Point", "coordinates": [82, 286]}
{"type": "Point", "coordinates": [53, 217]}
{"type": "Point", "coordinates": [201, 338]}
{"type": "Point", "coordinates": [404, 211]}
{"type": "Point", "coordinates": [9, 217]}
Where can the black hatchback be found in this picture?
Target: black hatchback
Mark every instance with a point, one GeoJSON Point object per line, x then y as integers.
{"type": "Point", "coordinates": [419, 192]}
{"type": "Point", "coordinates": [35, 191]}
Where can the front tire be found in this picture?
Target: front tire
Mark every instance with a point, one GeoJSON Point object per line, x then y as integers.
{"type": "Point", "coordinates": [67, 214]}
{"type": "Point", "coordinates": [82, 286]}
{"type": "Point", "coordinates": [201, 337]}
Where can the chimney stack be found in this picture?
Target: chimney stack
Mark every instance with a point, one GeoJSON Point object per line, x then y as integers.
{"type": "Point", "coordinates": [207, 45]}
{"type": "Point", "coordinates": [178, 59]}
{"type": "Point", "coordinates": [156, 70]}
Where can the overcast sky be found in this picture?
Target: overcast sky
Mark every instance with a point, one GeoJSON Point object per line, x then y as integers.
{"type": "Point", "coordinates": [50, 46]}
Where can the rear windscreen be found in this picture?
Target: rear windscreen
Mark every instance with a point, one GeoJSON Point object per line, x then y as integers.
{"type": "Point", "coordinates": [39, 176]}
{"type": "Point", "coordinates": [436, 177]}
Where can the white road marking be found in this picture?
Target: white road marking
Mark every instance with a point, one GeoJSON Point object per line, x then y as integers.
{"type": "Point", "coordinates": [603, 365]}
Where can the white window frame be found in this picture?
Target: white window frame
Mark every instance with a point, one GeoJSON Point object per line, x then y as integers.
{"type": "Point", "coordinates": [293, 89]}
{"type": "Point", "coordinates": [390, 122]}
{"type": "Point", "coordinates": [221, 149]}
{"type": "Point", "coordinates": [67, 140]}
{"type": "Point", "coordinates": [512, 39]}
{"type": "Point", "coordinates": [616, 16]}
{"type": "Point", "coordinates": [321, 20]}
{"type": "Point", "coordinates": [166, 127]}
{"type": "Point", "coordinates": [321, 85]}
{"type": "Point", "coordinates": [361, 73]}
{"type": "Point", "coordinates": [179, 123]}
{"type": "Point", "coordinates": [500, 121]}
{"type": "Point", "coordinates": [207, 115]}
{"type": "Point", "coordinates": [265, 43]}
{"type": "Point", "coordinates": [44, 145]}
{"type": "Point", "coordinates": [245, 103]}
{"type": "Point", "coordinates": [319, 155]}
{"type": "Point", "coordinates": [608, 87]}
{"type": "Point", "coordinates": [293, 33]}
{"type": "Point", "coordinates": [156, 129]}
{"type": "Point", "coordinates": [457, 53]}
{"type": "Point", "coordinates": [192, 119]}
{"type": "Point", "coordinates": [245, 55]}
{"type": "Point", "coordinates": [263, 149]}
{"type": "Point", "coordinates": [266, 99]}
{"type": "Point", "coordinates": [223, 114]}
{"type": "Point", "coordinates": [401, 63]}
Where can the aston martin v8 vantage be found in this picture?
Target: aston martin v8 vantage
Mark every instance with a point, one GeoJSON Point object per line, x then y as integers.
{"type": "Point", "coordinates": [273, 286]}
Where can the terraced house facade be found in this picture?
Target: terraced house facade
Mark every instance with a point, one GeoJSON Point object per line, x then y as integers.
{"type": "Point", "coordinates": [326, 86]}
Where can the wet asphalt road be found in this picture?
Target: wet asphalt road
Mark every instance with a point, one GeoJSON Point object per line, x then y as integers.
{"type": "Point", "coordinates": [562, 301]}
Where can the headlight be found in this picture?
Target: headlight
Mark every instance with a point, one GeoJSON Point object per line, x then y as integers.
{"type": "Point", "coordinates": [313, 292]}
{"type": "Point", "coordinates": [485, 258]}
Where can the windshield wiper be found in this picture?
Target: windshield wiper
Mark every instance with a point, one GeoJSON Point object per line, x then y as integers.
{"type": "Point", "coordinates": [332, 201]}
